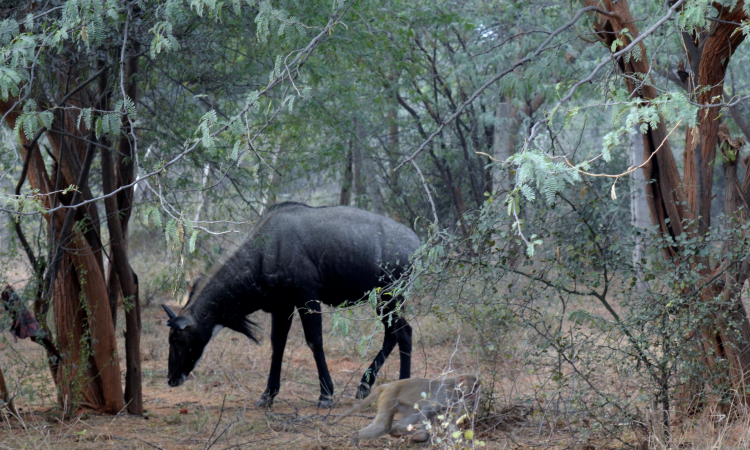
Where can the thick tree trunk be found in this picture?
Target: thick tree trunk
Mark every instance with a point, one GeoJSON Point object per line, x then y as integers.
{"type": "Point", "coordinates": [89, 372]}
{"type": "Point", "coordinates": [709, 53]}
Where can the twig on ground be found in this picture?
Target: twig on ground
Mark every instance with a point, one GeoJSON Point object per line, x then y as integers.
{"type": "Point", "coordinates": [149, 443]}
{"type": "Point", "coordinates": [221, 414]}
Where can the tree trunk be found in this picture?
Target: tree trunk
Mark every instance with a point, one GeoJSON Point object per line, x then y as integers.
{"type": "Point", "coordinates": [203, 198]}
{"type": "Point", "coordinates": [274, 182]}
{"type": "Point", "coordinates": [710, 53]}
{"type": "Point", "coordinates": [345, 197]}
{"type": "Point", "coordinates": [392, 148]}
{"type": "Point", "coordinates": [366, 189]}
{"type": "Point", "coordinates": [639, 212]}
{"type": "Point", "coordinates": [128, 287]}
{"type": "Point", "coordinates": [113, 292]}
{"type": "Point", "coordinates": [115, 205]}
{"type": "Point", "coordinates": [89, 372]}
{"type": "Point", "coordinates": [5, 398]}
{"type": "Point", "coordinates": [506, 131]}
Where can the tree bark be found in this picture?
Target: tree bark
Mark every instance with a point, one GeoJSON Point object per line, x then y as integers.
{"type": "Point", "coordinates": [366, 189]}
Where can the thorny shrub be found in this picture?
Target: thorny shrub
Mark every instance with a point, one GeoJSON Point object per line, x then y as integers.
{"type": "Point", "coordinates": [596, 335]}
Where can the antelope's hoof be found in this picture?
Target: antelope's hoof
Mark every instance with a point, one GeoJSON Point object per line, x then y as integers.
{"type": "Point", "coordinates": [363, 390]}
{"type": "Point", "coordinates": [325, 402]}
{"type": "Point", "coordinates": [266, 401]}
{"type": "Point", "coordinates": [355, 440]}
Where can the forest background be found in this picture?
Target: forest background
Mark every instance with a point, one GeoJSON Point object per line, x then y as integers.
{"type": "Point", "coordinates": [577, 173]}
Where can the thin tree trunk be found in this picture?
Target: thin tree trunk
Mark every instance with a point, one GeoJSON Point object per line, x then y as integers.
{"type": "Point", "coordinates": [5, 397]}
{"type": "Point", "coordinates": [506, 132]}
{"type": "Point", "coordinates": [113, 292]}
{"type": "Point", "coordinates": [118, 239]}
{"type": "Point", "coordinates": [345, 197]}
{"type": "Point", "coordinates": [275, 181]}
{"type": "Point", "coordinates": [504, 146]}
{"type": "Point", "coordinates": [393, 132]}
{"type": "Point", "coordinates": [118, 254]}
{"type": "Point", "coordinates": [203, 197]}
{"type": "Point", "coordinates": [367, 191]}
{"type": "Point", "coordinates": [639, 212]}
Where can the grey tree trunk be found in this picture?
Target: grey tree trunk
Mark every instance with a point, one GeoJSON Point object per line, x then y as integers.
{"type": "Point", "coordinates": [345, 196]}
{"type": "Point", "coordinates": [640, 216]}
{"type": "Point", "coordinates": [506, 132]}
{"type": "Point", "coordinates": [203, 196]}
{"type": "Point", "coordinates": [504, 146]}
{"type": "Point", "coordinates": [366, 183]}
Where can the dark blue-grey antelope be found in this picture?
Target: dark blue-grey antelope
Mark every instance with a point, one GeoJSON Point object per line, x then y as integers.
{"type": "Point", "coordinates": [298, 257]}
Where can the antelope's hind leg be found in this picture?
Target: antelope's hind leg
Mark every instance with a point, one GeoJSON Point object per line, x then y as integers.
{"type": "Point", "coordinates": [397, 332]}
{"type": "Point", "coordinates": [312, 325]}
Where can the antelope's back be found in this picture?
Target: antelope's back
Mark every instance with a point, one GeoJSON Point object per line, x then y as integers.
{"type": "Point", "coordinates": [339, 252]}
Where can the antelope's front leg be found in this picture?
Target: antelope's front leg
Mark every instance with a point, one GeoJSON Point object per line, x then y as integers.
{"type": "Point", "coordinates": [280, 325]}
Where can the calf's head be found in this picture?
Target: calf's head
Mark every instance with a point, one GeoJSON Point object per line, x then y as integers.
{"type": "Point", "coordinates": [187, 340]}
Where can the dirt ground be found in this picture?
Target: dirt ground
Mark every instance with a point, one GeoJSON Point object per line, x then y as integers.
{"type": "Point", "coordinates": [215, 407]}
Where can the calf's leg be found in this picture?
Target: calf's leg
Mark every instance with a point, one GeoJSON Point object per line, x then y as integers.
{"type": "Point", "coordinates": [411, 428]}
{"type": "Point", "coordinates": [380, 426]}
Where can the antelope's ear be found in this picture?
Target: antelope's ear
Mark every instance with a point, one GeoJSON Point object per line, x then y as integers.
{"type": "Point", "coordinates": [179, 322]}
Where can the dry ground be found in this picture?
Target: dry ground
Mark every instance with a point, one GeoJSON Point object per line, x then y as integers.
{"type": "Point", "coordinates": [215, 407]}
